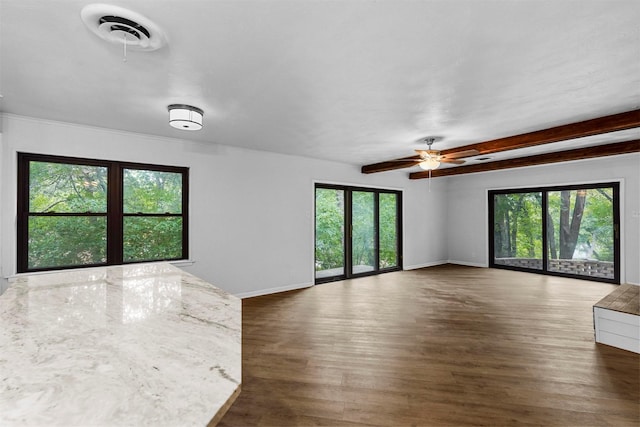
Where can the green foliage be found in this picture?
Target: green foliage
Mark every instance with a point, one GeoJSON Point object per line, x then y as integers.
{"type": "Point", "coordinates": [518, 224]}
{"type": "Point", "coordinates": [66, 241]}
{"type": "Point", "coordinates": [151, 191]}
{"type": "Point", "coordinates": [595, 237]}
{"type": "Point", "coordinates": [388, 230]}
{"type": "Point", "coordinates": [597, 231]}
{"type": "Point", "coordinates": [329, 229]}
{"type": "Point", "coordinates": [57, 188]}
{"type": "Point", "coordinates": [152, 238]}
{"type": "Point", "coordinates": [362, 240]}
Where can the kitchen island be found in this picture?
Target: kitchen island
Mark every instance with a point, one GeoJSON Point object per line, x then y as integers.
{"type": "Point", "coordinates": [141, 344]}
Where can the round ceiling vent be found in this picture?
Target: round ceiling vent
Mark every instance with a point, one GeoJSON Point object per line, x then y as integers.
{"type": "Point", "coordinates": [122, 26]}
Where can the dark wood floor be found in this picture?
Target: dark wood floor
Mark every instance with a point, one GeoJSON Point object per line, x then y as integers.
{"type": "Point", "coordinates": [445, 345]}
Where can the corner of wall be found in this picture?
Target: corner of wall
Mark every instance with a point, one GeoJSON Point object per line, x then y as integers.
{"type": "Point", "coordinates": [243, 295]}
{"type": "Point", "coordinates": [468, 264]}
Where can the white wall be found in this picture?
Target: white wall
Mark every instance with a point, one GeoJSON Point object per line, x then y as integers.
{"type": "Point", "coordinates": [468, 204]}
{"type": "Point", "coordinates": [3, 280]}
{"type": "Point", "coordinates": [251, 212]}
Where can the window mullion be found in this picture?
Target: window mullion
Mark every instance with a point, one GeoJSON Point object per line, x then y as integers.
{"type": "Point", "coordinates": [23, 213]}
{"type": "Point", "coordinates": [616, 230]}
{"type": "Point", "coordinates": [185, 215]}
{"type": "Point", "coordinates": [545, 236]}
{"type": "Point", "coordinates": [376, 230]}
{"type": "Point", "coordinates": [348, 227]}
{"type": "Point", "coordinates": [114, 215]}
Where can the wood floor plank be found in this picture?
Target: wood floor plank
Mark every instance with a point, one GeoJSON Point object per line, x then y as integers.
{"type": "Point", "coordinates": [446, 345]}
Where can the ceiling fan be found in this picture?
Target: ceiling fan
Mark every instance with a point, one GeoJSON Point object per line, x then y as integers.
{"type": "Point", "coordinates": [427, 159]}
{"type": "Point", "coordinates": [430, 159]}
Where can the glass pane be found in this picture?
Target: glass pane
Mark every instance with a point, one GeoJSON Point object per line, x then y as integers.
{"type": "Point", "coordinates": [66, 241]}
{"type": "Point", "coordinates": [388, 230]}
{"type": "Point", "coordinates": [329, 232]}
{"type": "Point", "coordinates": [151, 238]}
{"type": "Point", "coordinates": [517, 230]}
{"type": "Point", "coordinates": [363, 232]}
{"type": "Point", "coordinates": [580, 232]}
{"type": "Point", "coordinates": [149, 191]}
{"type": "Point", "coordinates": [59, 187]}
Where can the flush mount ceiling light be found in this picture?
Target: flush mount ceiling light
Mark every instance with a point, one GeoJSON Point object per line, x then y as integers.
{"type": "Point", "coordinates": [430, 158]}
{"type": "Point", "coordinates": [122, 26]}
{"type": "Point", "coordinates": [185, 117]}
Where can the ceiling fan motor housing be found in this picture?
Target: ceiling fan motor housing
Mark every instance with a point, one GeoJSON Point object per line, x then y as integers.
{"type": "Point", "coordinates": [122, 26]}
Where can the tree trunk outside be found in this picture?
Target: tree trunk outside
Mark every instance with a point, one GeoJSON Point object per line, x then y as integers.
{"type": "Point", "coordinates": [507, 233]}
{"type": "Point", "coordinates": [551, 238]}
{"type": "Point", "coordinates": [569, 231]}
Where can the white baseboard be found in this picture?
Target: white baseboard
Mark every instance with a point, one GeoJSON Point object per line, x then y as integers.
{"type": "Point", "coordinates": [275, 290]}
{"type": "Point", "coordinates": [469, 264]}
{"type": "Point", "coordinates": [428, 264]}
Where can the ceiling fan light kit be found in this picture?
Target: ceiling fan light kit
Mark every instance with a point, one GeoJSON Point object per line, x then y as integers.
{"type": "Point", "coordinates": [429, 163]}
{"type": "Point", "coordinates": [430, 158]}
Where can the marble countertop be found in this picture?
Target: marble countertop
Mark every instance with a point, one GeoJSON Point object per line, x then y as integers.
{"type": "Point", "coordinates": [142, 344]}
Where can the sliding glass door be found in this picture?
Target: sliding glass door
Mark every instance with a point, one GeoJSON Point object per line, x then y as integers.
{"type": "Point", "coordinates": [568, 231]}
{"type": "Point", "coordinates": [357, 232]}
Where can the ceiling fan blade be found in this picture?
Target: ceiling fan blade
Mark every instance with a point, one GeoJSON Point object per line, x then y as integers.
{"type": "Point", "coordinates": [454, 161]}
{"type": "Point", "coordinates": [461, 154]}
{"type": "Point", "coordinates": [405, 162]}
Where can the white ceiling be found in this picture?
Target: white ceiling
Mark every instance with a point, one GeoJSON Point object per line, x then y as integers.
{"type": "Point", "coordinates": [350, 81]}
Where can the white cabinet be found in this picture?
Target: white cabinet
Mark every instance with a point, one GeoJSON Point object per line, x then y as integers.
{"type": "Point", "coordinates": [617, 329]}
{"type": "Point", "coordinates": [616, 318]}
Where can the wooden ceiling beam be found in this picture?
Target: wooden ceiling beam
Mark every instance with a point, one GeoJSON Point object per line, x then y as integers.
{"type": "Point", "coordinates": [541, 159]}
{"type": "Point", "coordinates": [600, 125]}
